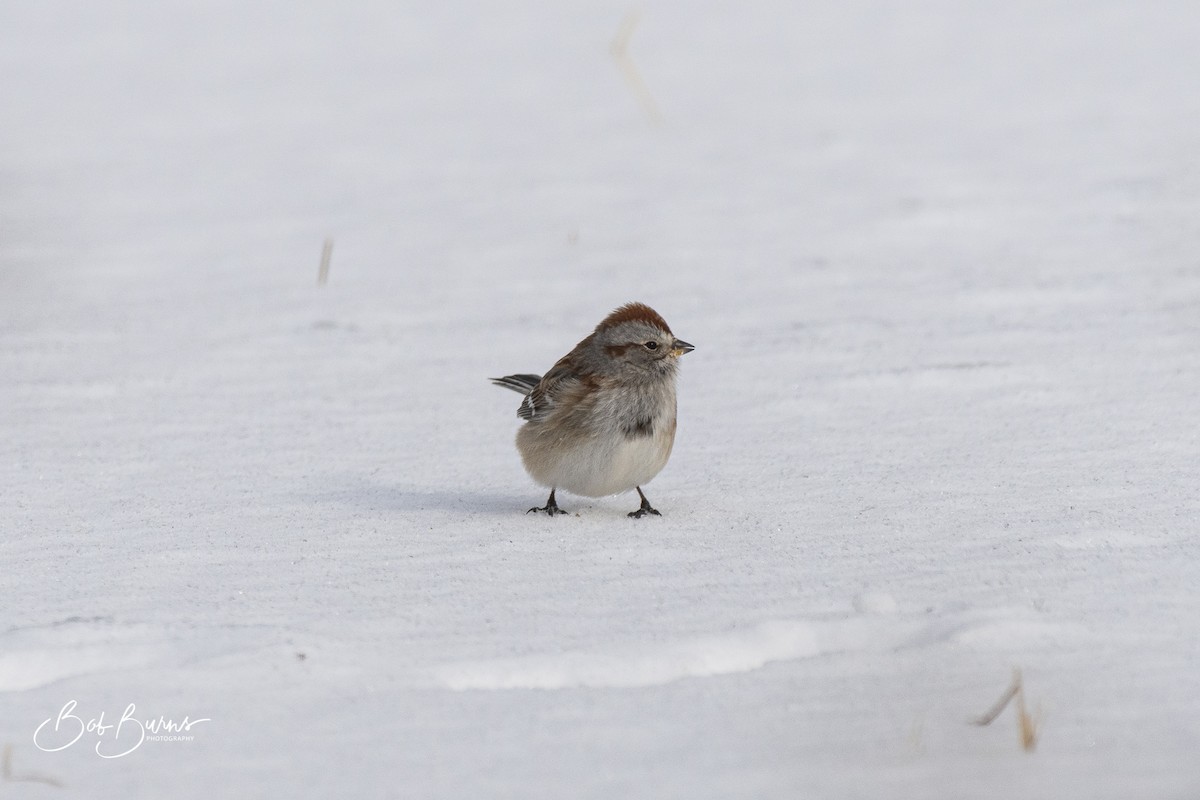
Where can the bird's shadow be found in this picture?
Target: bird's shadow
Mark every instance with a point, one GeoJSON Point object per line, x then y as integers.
{"type": "Point", "coordinates": [368, 495]}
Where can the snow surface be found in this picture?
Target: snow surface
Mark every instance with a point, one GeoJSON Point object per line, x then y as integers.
{"type": "Point", "coordinates": [941, 263]}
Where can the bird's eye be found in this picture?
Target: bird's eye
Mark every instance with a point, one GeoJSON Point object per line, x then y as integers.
{"type": "Point", "coordinates": [651, 345]}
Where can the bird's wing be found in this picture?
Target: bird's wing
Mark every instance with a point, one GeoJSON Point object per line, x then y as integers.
{"type": "Point", "coordinates": [548, 390]}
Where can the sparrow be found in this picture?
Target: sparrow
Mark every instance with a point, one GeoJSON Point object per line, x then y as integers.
{"type": "Point", "coordinates": [602, 420]}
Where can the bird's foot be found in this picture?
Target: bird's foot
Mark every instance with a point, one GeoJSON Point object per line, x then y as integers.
{"type": "Point", "coordinates": [645, 509]}
{"type": "Point", "coordinates": [641, 512]}
{"type": "Point", "coordinates": [551, 507]}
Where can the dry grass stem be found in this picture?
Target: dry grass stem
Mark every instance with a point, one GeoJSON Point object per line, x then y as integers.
{"type": "Point", "coordinates": [633, 78]}
{"type": "Point", "coordinates": [8, 776]}
{"type": "Point", "coordinates": [326, 255]}
{"type": "Point", "coordinates": [1027, 725]}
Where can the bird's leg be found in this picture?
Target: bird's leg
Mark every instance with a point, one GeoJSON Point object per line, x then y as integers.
{"type": "Point", "coordinates": [551, 507]}
{"type": "Point", "coordinates": [645, 509]}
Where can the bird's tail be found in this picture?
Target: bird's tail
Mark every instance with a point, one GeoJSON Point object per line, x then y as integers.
{"type": "Point", "coordinates": [521, 384]}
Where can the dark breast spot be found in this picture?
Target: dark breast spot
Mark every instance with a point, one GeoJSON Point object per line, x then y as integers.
{"type": "Point", "coordinates": [643, 426]}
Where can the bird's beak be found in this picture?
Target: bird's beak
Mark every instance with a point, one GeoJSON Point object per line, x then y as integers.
{"type": "Point", "coordinates": [680, 347]}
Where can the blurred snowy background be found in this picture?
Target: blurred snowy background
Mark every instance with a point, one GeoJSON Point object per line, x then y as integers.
{"type": "Point", "coordinates": [941, 263]}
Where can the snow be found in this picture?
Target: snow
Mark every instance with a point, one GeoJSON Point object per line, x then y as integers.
{"type": "Point", "coordinates": [940, 266]}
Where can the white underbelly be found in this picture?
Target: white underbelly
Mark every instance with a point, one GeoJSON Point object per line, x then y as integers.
{"type": "Point", "coordinates": [594, 471]}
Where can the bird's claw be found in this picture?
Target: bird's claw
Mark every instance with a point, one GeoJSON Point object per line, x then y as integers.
{"type": "Point", "coordinates": [641, 512]}
{"type": "Point", "coordinates": [551, 510]}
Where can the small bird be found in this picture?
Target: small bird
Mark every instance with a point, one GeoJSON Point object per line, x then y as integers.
{"type": "Point", "coordinates": [602, 420]}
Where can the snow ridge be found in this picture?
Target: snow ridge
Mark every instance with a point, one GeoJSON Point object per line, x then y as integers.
{"type": "Point", "coordinates": [656, 664]}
